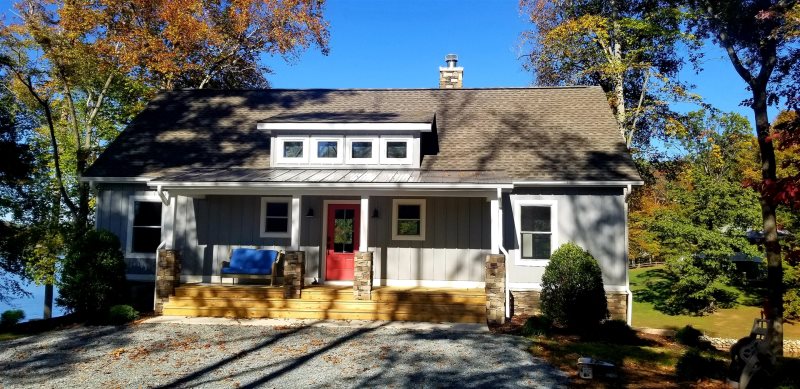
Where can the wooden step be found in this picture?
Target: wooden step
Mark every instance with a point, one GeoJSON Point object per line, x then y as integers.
{"type": "Point", "coordinates": [430, 296]}
{"type": "Point", "coordinates": [353, 305]}
{"type": "Point", "coordinates": [427, 316]}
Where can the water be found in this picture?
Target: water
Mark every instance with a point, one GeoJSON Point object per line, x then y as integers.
{"type": "Point", "coordinates": [34, 305]}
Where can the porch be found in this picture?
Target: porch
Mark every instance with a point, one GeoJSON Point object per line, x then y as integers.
{"type": "Point", "coordinates": [329, 302]}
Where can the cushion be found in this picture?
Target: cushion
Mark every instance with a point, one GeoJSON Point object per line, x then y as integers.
{"type": "Point", "coordinates": [251, 261]}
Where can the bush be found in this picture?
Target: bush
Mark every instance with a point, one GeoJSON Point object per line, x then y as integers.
{"type": "Point", "coordinates": [537, 325]}
{"type": "Point", "coordinates": [572, 289]}
{"type": "Point", "coordinates": [617, 331]}
{"type": "Point", "coordinates": [791, 284]}
{"type": "Point", "coordinates": [93, 275]}
{"type": "Point", "coordinates": [121, 314]}
{"type": "Point", "coordinates": [693, 365]}
{"type": "Point", "coordinates": [688, 336]}
{"type": "Point", "coordinates": [11, 317]}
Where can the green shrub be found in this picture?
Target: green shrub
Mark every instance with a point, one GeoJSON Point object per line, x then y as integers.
{"type": "Point", "coordinates": [688, 336]}
{"type": "Point", "coordinates": [93, 275]}
{"type": "Point", "coordinates": [121, 314]}
{"type": "Point", "coordinates": [617, 331]}
{"type": "Point", "coordinates": [572, 289]}
{"type": "Point", "coordinates": [537, 325]}
{"type": "Point", "coordinates": [694, 364]}
{"type": "Point", "coordinates": [11, 317]}
{"type": "Point", "coordinates": [791, 284]}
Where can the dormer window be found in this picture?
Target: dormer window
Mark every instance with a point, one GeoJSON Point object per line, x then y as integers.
{"type": "Point", "coordinates": [364, 139]}
{"type": "Point", "coordinates": [327, 150]}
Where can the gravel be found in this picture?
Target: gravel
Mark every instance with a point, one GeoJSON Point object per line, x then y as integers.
{"type": "Point", "coordinates": [285, 356]}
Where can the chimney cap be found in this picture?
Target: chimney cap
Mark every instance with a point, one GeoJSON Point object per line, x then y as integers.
{"type": "Point", "coordinates": [451, 60]}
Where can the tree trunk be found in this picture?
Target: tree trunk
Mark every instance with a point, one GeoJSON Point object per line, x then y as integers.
{"type": "Point", "coordinates": [48, 301]}
{"type": "Point", "coordinates": [774, 306]}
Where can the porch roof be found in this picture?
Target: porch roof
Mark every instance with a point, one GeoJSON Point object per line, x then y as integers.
{"type": "Point", "coordinates": [331, 176]}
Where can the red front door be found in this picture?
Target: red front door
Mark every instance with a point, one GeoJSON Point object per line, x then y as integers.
{"type": "Point", "coordinates": [342, 236]}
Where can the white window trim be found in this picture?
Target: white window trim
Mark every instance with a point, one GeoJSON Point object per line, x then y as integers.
{"type": "Point", "coordinates": [422, 219]}
{"type": "Point", "coordinates": [327, 161]}
{"type": "Point", "coordinates": [132, 200]}
{"type": "Point", "coordinates": [553, 204]}
{"type": "Point", "coordinates": [262, 232]}
{"type": "Point", "coordinates": [279, 150]}
{"type": "Point", "coordinates": [376, 152]}
{"type": "Point", "coordinates": [409, 140]}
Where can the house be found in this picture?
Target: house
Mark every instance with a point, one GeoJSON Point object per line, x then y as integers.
{"type": "Point", "coordinates": [448, 187]}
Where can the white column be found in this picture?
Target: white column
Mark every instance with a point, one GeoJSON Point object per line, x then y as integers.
{"type": "Point", "coordinates": [296, 218]}
{"type": "Point", "coordinates": [363, 242]}
{"type": "Point", "coordinates": [494, 211]}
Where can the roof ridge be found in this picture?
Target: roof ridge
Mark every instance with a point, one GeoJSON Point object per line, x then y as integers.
{"type": "Point", "coordinates": [385, 89]}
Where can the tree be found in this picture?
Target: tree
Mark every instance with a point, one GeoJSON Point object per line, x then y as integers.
{"type": "Point", "coordinates": [629, 47]}
{"type": "Point", "coordinates": [759, 37]}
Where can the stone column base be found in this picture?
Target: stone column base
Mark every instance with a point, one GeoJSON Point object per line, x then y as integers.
{"type": "Point", "coordinates": [495, 289]}
{"type": "Point", "coordinates": [362, 275]}
{"type": "Point", "coordinates": [293, 271]}
{"type": "Point", "coordinates": [168, 276]}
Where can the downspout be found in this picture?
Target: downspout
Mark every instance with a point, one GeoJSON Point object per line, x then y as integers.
{"type": "Point", "coordinates": [503, 250]}
{"type": "Point", "coordinates": [629, 314]}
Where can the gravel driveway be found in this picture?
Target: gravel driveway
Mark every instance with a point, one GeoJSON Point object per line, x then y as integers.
{"type": "Point", "coordinates": [294, 355]}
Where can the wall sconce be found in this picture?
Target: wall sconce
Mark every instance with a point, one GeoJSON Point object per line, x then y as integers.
{"type": "Point", "coordinates": [310, 212]}
{"type": "Point", "coordinates": [375, 213]}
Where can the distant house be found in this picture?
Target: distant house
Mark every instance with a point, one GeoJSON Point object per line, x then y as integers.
{"type": "Point", "coordinates": [429, 182]}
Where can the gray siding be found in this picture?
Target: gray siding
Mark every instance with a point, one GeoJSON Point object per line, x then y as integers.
{"type": "Point", "coordinates": [457, 238]}
{"type": "Point", "coordinates": [594, 218]}
{"type": "Point", "coordinates": [457, 233]}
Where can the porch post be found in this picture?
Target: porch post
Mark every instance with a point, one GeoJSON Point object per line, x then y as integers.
{"type": "Point", "coordinates": [363, 245]}
{"type": "Point", "coordinates": [296, 218]}
{"type": "Point", "coordinates": [494, 212]}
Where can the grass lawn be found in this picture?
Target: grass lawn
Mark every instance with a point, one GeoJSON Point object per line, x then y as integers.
{"type": "Point", "coordinates": [725, 323]}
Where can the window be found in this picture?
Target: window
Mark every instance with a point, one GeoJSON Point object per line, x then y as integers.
{"type": "Point", "coordinates": [536, 226]}
{"type": "Point", "coordinates": [408, 219]}
{"type": "Point", "coordinates": [276, 217]}
{"type": "Point", "coordinates": [291, 150]}
{"type": "Point", "coordinates": [327, 150]}
{"type": "Point", "coordinates": [145, 226]}
{"type": "Point", "coordinates": [362, 151]}
{"type": "Point", "coordinates": [396, 150]}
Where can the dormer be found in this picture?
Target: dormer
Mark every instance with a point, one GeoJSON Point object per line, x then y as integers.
{"type": "Point", "coordinates": [375, 140]}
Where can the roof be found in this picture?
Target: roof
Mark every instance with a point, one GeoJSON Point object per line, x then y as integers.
{"type": "Point", "coordinates": [340, 176]}
{"type": "Point", "coordinates": [528, 134]}
{"type": "Point", "coordinates": [323, 116]}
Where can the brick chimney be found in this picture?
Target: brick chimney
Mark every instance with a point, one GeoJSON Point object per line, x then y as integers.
{"type": "Point", "coordinates": [451, 76]}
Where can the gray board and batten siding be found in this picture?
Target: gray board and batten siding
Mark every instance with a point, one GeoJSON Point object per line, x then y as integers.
{"type": "Point", "coordinates": [457, 237]}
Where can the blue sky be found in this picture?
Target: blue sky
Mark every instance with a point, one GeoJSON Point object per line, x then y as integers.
{"type": "Point", "coordinates": [401, 44]}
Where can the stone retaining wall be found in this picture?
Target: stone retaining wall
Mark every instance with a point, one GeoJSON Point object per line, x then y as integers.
{"type": "Point", "coordinates": [527, 303]}
{"type": "Point", "coordinates": [790, 347]}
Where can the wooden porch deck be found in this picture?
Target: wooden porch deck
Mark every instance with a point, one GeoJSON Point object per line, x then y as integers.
{"type": "Point", "coordinates": [329, 302]}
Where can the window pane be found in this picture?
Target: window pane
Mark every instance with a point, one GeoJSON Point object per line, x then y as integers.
{"type": "Point", "coordinates": [277, 224]}
{"type": "Point", "coordinates": [396, 149]}
{"type": "Point", "coordinates": [145, 240]}
{"type": "Point", "coordinates": [410, 211]}
{"type": "Point", "coordinates": [535, 246]}
{"type": "Point", "coordinates": [278, 209]}
{"type": "Point", "coordinates": [536, 219]}
{"type": "Point", "coordinates": [146, 213]}
{"type": "Point", "coordinates": [327, 149]}
{"type": "Point", "coordinates": [408, 227]}
{"type": "Point", "coordinates": [293, 149]}
{"type": "Point", "coordinates": [362, 150]}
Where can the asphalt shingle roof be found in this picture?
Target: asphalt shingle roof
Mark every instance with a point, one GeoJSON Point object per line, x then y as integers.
{"type": "Point", "coordinates": [536, 134]}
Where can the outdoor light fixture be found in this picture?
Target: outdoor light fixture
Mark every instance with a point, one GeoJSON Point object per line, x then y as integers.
{"type": "Point", "coordinates": [375, 213]}
{"type": "Point", "coordinates": [310, 212]}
